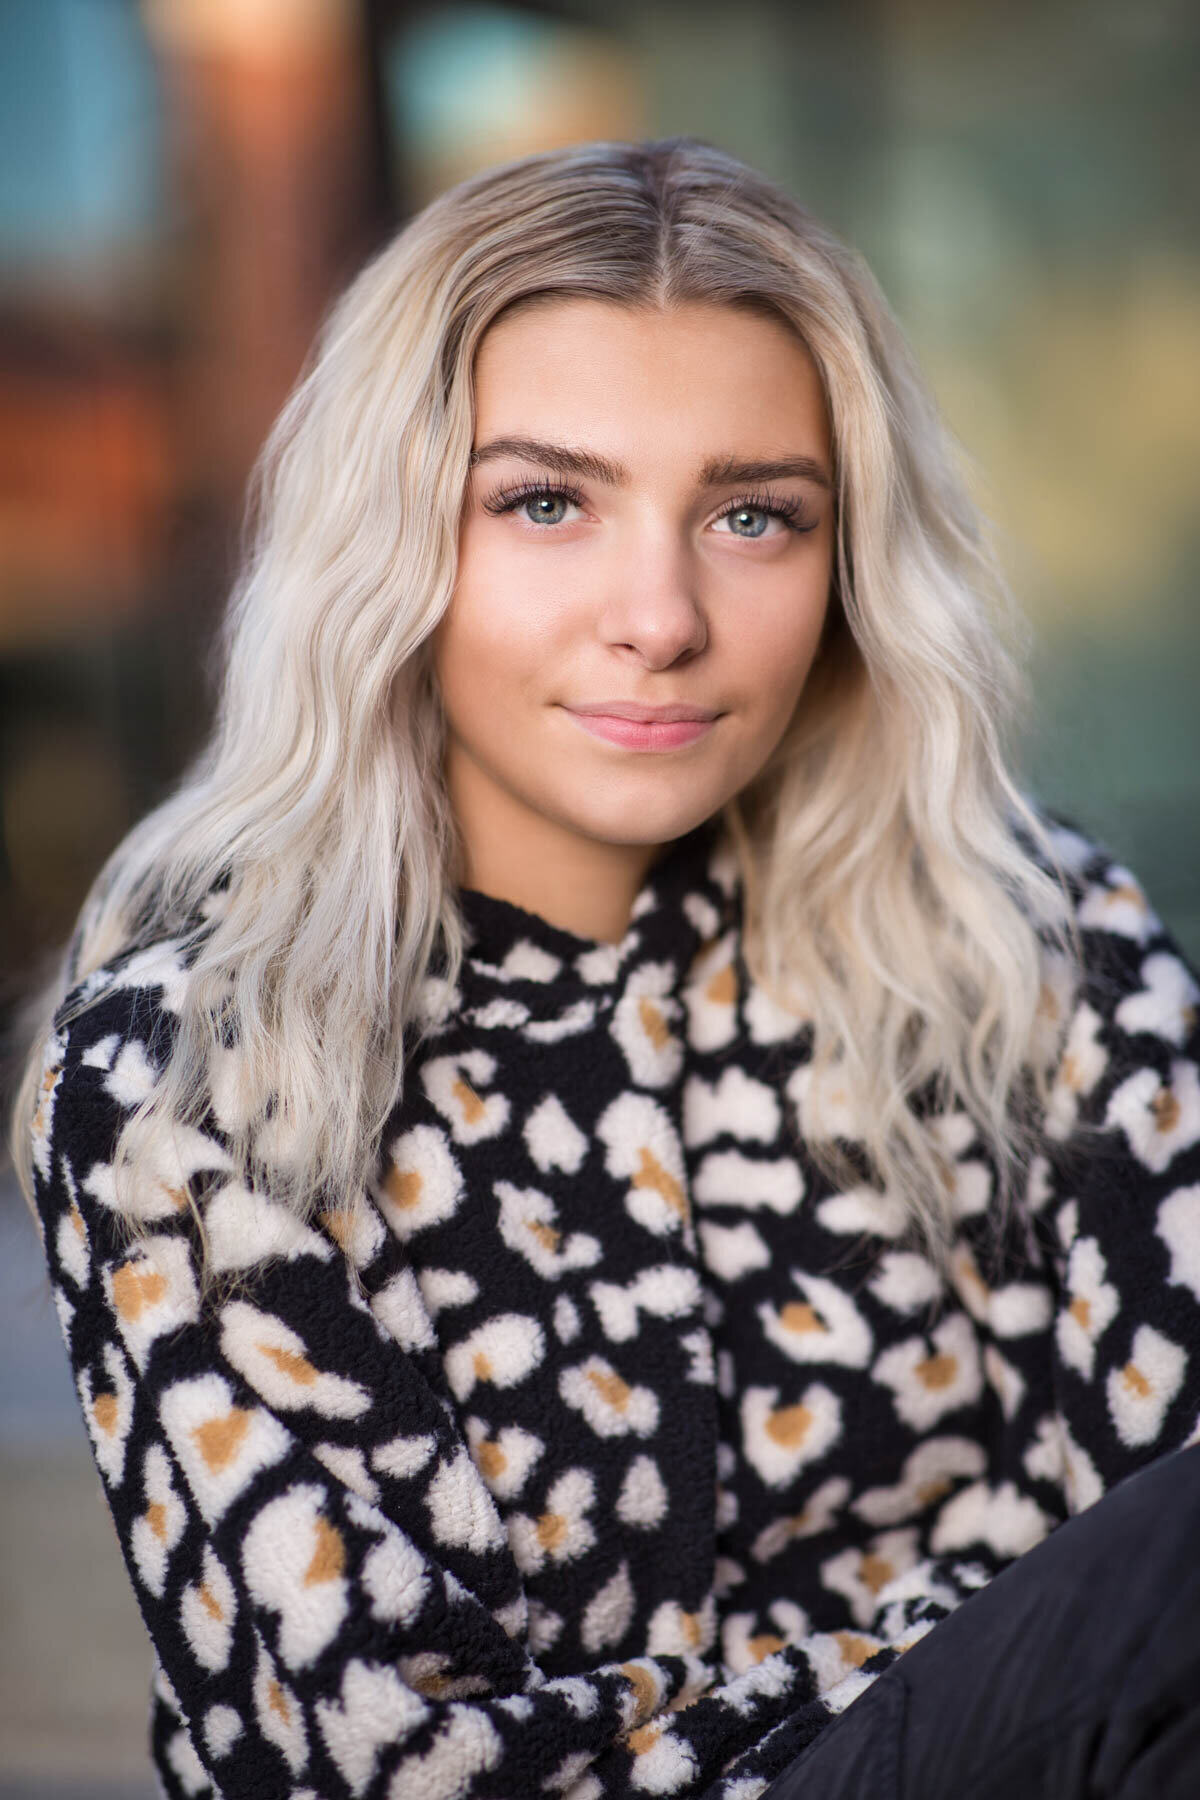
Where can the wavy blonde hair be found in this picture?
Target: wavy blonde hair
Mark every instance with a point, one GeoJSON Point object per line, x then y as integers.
{"type": "Point", "coordinates": [898, 888]}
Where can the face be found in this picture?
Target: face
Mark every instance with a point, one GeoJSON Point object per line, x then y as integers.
{"type": "Point", "coordinates": [620, 559]}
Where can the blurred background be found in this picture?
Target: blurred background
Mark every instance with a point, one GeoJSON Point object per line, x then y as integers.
{"type": "Point", "coordinates": [184, 187]}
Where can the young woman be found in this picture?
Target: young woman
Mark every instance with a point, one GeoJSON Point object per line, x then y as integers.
{"type": "Point", "coordinates": [626, 1214]}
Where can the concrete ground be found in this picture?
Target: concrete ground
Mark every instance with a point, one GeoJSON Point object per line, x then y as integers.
{"type": "Point", "coordinates": [74, 1654]}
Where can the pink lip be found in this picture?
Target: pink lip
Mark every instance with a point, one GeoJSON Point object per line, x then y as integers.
{"type": "Point", "coordinates": [645, 728]}
{"type": "Point", "coordinates": [629, 709]}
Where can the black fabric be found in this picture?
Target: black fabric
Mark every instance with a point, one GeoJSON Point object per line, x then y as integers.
{"type": "Point", "coordinates": [661, 925]}
{"type": "Point", "coordinates": [1074, 1675]}
{"type": "Point", "coordinates": [630, 1450]}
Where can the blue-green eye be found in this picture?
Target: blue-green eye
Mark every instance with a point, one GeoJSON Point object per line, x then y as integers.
{"type": "Point", "coordinates": [738, 518]}
{"type": "Point", "coordinates": [546, 494]}
{"type": "Point", "coordinates": [549, 501]}
{"type": "Point", "coordinates": [766, 506]}
{"type": "Point", "coordinates": [548, 509]}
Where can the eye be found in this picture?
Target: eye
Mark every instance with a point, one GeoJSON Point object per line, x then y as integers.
{"type": "Point", "coordinates": [747, 516]}
{"type": "Point", "coordinates": [547, 502]}
{"type": "Point", "coordinates": [548, 509]}
{"type": "Point", "coordinates": [748, 521]}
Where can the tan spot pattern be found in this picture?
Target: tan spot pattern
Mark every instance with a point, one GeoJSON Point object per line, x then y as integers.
{"type": "Point", "coordinates": [722, 989]}
{"type": "Point", "coordinates": [551, 1530]}
{"type": "Point", "coordinates": [329, 1557]}
{"type": "Point", "coordinates": [209, 1601]}
{"type": "Point", "coordinates": [547, 1235]}
{"type": "Point", "coordinates": [104, 1411]}
{"type": "Point", "coordinates": [1166, 1109]}
{"type": "Point", "coordinates": [49, 1083]}
{"type": "Point", "coordinates": [403, 1186]}
{"type": "Point", "coordinates": [219, 1440]}
{"type": "Point", "coordinates": [610, 1387]}
{"type": "Point", "coordinates": [339, 1223]}
{"type": "Point", "coordinates": [790, 1425]}
{"type": "Point", "coordinates": [490, 1459]}
{"type": "Point", "coordinates": [651, 1174]}
{"type": "Point", "coordinates": [875, 1571]}
{"type": "Point", "coordinates": [1135, 1381]}
{"type": "Point", "coordinates": [134, 1289]}
{"type": "Point", "coordinates": [756, 1294]}
{"type": "Point", "coordinates": [855, 1649]}
{"type": "Point", "coordinates": [645, 1692]}
{"type": "Point", "coordinates": [798, 1315]}
{"type": "Point", "coordinates": [432, 1683]}
{"type": "Point", "coordinates": [972, 1280]}
{"type": "Point", "coordinates": [937, 1371]}
{"type": "Point", "coordinates": [290, 1363]}
{"type": "Point", "coordinates": [468, 1099]}
{"type": "Point", "coordinates": [653, 1023]}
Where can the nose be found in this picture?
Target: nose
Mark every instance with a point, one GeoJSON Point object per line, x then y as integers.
{"type": "Point", "coordinates": [653, 605]}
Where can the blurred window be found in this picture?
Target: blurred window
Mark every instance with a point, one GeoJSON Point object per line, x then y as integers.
{"type": "Point", "coordinates": [80, 137]}
{"type": "Point", "coordinates": [465, 86]}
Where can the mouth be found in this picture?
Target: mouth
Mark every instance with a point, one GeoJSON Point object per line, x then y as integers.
{"type": "Point", "coordinates": [645, 728]}
{"type": "Point", "coordinates": [675, 713]}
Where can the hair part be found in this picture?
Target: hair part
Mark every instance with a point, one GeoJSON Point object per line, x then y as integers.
{"type": "Point", "coordinates": [900, 894]}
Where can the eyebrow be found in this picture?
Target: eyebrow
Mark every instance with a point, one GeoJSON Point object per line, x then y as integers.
{"type": "Point", "coordinates": [718, 471]}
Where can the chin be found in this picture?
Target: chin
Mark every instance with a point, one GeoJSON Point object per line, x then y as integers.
{"type": "Point", "coordinates": [636, 822]}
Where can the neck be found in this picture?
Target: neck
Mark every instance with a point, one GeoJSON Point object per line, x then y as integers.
{"type": "Point", "coordinates": [579, 884]}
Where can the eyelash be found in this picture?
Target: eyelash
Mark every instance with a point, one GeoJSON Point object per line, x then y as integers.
{"type": "Point", "coordinates": [792, 512]}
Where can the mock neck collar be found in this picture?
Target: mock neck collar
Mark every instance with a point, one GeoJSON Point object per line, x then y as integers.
{"type": "Point", "coordinates": [689, 896]}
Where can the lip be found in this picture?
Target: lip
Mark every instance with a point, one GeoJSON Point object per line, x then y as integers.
{"type": "Point", "coordinates": [646, 715]}
{"type": "Point", "coordinates": [644, 727]}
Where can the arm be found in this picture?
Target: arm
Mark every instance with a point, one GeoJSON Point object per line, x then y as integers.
{"type": "Point", "coordinates": [323, 1573]}
{"type": "Point", "coordinates": [1122, 1223]}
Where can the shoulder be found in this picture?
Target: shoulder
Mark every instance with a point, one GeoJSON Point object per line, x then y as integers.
{"type": "Point", "coordinates": [1132, 971]}
{"type": "Point", "coordinates": [138, 992]}
{"type": "Point", "coordinates": [1108, 899]}
{"type": "Point", "coordinates": [125, 1011]}
{"type": "Point", "coordinates": [107, 1046]}
{"type": "Point", "coordinates": [1114, 1191]}
{"type": "Point", "coordinates": [1129, 1039]}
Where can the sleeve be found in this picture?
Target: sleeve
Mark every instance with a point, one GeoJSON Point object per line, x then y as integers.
{"type": "Point", "coordinates": [1118, 1196]}
{"type": "Point", "coordinates": [323, 1573]}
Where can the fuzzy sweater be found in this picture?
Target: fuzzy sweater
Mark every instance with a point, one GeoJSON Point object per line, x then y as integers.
{"type": "Point", "coordinates": [631, 1450]}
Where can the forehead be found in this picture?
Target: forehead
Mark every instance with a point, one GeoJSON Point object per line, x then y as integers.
{"type": "Point", "coordinates": [576, 362]}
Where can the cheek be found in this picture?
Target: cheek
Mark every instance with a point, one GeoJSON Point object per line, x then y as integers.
{"type": "Point", "coordinates": [493, 640]}
{"type": "Point", "coordinates": [512, 601]}
{"type": "Point", "coordinates": [775, 651]}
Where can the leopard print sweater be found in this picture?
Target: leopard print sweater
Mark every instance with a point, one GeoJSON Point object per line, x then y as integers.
{"type": "Point", "coordinates": [612, 1449]}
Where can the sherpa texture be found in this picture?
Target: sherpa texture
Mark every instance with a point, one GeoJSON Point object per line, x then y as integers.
{"type": "Point", "coordinates": [642, 1450]}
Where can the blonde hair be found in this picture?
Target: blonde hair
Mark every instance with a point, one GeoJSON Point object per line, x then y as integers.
{"type": "Point", "coordinates": [897, 884]}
